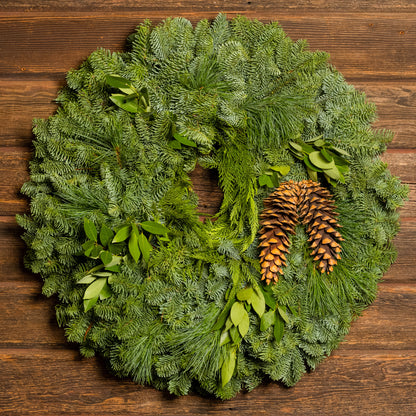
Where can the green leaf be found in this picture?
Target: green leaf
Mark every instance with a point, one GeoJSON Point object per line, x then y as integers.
{"type": "Point", "coordinates": [343, 168]}
{"type": "Point", "coordinates": [86, 279]}
{"type": "Point", "coordinates": [145, 247]}
{"type": "Point", "coordinates": [340, 151]}
{"type": "Point", "coordinates": [244, 325]}
{"type": "Point", "coordinates": [106, 257]}
{"type": "Point", "coordinates": [245, 294]}
{"type": "Point", "coordinates": [309, 165]}
{"type": "Point", "coordinates": [319, 143]}
{"type": "Point", "coordinates": [225, 338]}
{"type": "Point", "coordinates": [235, 335]}
{"type": "Point", "coordinates": [275, 179]}
{"type": "Point", "coordinates": [102, 274]}
{"type": "Point", "coordinates": [89, 303]}
{"type": "Point", "coordinates": [127, 91]}
{"type": "Point", "coordinates": [258, 303]}
{"type": "Point", "coordinates": [135, 229]}
{"type": "Point", "coordinates": [314, 139]}
{"type": "Point", "coordinates": [307, 148]}
{"type": "Point", "coordinates": [222, 318]}
{"type": "Point", "coordinates": [184, 140]}
{"type": "Point", "coordinates": [174, 144]}
{"type": "Point", "coordinates": [312, 174]}
{"type": "Point", "coordinates": [237, 313]}
{"type": "Point", "coordinates": [333, 173]}
{"type": "Point", "coordinates": [116, 81]}
{"type": "Point", "coordinates": [90, 229]}
{"type": "Point", "coordinates": [106, 235]}
{"type": "Point", "coordinates": [265, 180]}
{"type": "Point", "coordinates": [319, 161]}
{"type": "Point", "coordinates": [228, 324]}
{"type": "Point", "coordinates": [126, 102]}
{"type": "Point", "coordinates": [134, 247]}
{"type": "Point", "coordinates": [284, 169]}
{"type": "Point", "coordinates": [115, 260]}
{"type": "Point", "coordinates": [339, 160]}
{"type": "Point", "coordinates": [115, 248]}
{"type": "Point", "coordinates": [283, 313]}
{"type": "Point", "coordinates": [115, 269]}
{"type": "Point", "coordinates": [154, 227]}
{"type": "Point", "coordinates": [95, 252]}
{"type": "Point", "coordinates": [122, 234]}
{"type": "Point", "coordinates": [88, 246]}
{"type": "Point", "coordinates": [268, 297]}
{"type": "Point", "coordinates": [326, 155]}
{"type": "Point", "coordinates": [94, 289]}
{"type": "Point", "coordinates": [279, 328]}
{"type": "Point", "coordinates": [105, 292]}
{"type": "Point", "coordinates": [296, 146]}
{"type": "Point", "coordinates": [227, 369]}
{"type": "Point", "coordinates": [267, 320]}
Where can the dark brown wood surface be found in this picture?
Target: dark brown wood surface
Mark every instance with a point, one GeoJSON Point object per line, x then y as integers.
{"type": "Point", "coordinates": [373, 372]}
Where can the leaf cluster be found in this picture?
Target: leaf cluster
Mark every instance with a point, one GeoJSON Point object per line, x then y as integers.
{"type": "Point", "coordinates": [234, 323]}
{"type": "Point", "coordinates": [131, 99]}
{"type": "Point", "coordinates": [109, 252]}
{"type": "Point", "coordinates": [321, 156]}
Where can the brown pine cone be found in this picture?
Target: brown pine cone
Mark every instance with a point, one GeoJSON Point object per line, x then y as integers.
{"type": "Point", "coordinates": [284, 208]}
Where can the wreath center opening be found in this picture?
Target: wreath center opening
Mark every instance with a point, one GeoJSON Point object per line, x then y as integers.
{"type": "Point", "coordinates": [205, 185]}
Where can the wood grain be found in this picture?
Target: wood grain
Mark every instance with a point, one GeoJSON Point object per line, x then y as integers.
{"type": "Point", "coordinates": [385, 380]}
{"type": "Point", "coordinates": [351, 40]}
{"type": "Point", "coordinates": [200, 6]}
{"type": "Point", "coordinates": [372, 373]}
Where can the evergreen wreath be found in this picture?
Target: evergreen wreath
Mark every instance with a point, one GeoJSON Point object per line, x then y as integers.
{"type": "Point", "coordinates": [114, 230]}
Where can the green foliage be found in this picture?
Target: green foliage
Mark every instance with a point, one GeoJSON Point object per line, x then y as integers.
{"type": "Point", "coordinates": [272, 176]}
{"type": "Point", "coordinates": [131, 99]}
{"type": "Point", "coordinates": [321, 156]}
{"type": "Point", "coordinates": [114, 228]}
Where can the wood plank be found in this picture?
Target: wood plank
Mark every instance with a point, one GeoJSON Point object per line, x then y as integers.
{"type": "Point", "coordinates": [357, 42]}
{"type": "Point", "coordinates": [389, 323]}
{"type": "Point", "coordinates": [361, 384]}
{"type": "Point", "coordinates": [23, 99]}
{"type": "Point", "coordinates": [20, 102]}
{"type": "Point", "coordinates": [13, 173]}
{"type": "Point", "coordinates": [396, 108]}
{"type": "Point", "coordinates": [404, 268]}
{"type": "Point", "coordinates": [28, 319]}
{"type": "Point", "coordinates": [203, 6]}
{"type": "Point", "coordinates": [402, 163]}
{"type": "Point", "coordinates": [12, 249]}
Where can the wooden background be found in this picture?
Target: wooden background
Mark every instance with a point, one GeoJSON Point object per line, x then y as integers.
{"type": "Point", "coordinates": [372, 42]}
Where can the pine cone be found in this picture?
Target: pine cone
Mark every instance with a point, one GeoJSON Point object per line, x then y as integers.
{"type": "Point", "coordinates": [284, 208]}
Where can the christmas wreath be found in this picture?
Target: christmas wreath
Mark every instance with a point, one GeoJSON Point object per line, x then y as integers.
{"type": "Point", "coordinates": [269, 285]}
